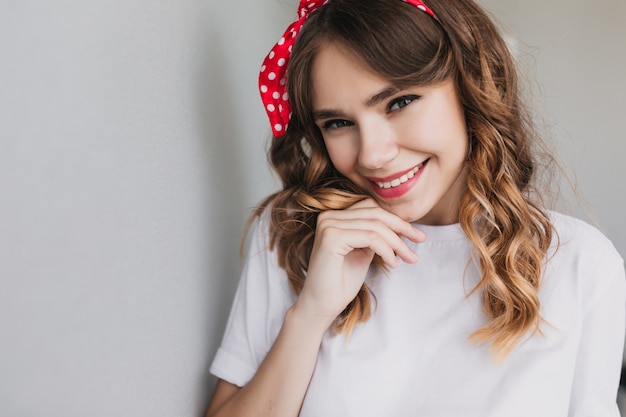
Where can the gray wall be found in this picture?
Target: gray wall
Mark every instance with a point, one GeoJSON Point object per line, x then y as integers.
{"type": "Point", "coordinates": [131, 148]}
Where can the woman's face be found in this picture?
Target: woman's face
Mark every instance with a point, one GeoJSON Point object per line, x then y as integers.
{"type": "Point", "coordinates": [407, 146]}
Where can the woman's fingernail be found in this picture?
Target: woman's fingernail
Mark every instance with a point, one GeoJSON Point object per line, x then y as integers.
{"type": "Point", "coordinates": [420, 233]}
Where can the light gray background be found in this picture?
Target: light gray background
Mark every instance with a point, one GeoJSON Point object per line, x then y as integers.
{"type": "Point", "coordinates": [131, 148]}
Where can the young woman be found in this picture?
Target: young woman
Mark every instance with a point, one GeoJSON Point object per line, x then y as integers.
{"type": "Point", "coordinates": [407, 266]}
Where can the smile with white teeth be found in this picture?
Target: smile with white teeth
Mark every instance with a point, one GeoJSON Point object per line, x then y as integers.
{"type": "Point", "coordinates": [401, 180]}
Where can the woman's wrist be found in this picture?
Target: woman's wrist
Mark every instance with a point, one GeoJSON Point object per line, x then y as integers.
{"type": "Point", "coordinates": [301, 317]}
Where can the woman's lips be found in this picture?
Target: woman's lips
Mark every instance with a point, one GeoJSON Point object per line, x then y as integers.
{"type": "Point", "coordinates": [397, 184]}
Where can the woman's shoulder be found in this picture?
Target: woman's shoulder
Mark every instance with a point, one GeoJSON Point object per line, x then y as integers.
{"type": "Point", "coordinates": [576, 233]}
{"type": "Point", "coordinates": [261, 265]}
{"type": "Point", "coordinates": [583, 275]}
{"type": "Point", "coordinates": [582, 250]}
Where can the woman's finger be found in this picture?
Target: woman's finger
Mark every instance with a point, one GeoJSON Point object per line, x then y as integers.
{"type": "Point", "coordinates": [376, 232]}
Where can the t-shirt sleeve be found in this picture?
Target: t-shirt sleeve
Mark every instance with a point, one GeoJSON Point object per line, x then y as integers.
{"type": "Point", "coordinates": [261, 301]}
{"type": "Point", "coordinates": [599, 358]}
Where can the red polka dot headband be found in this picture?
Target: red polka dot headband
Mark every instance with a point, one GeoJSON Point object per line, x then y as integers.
{"type": "Point", "coordinates": [272, 79]}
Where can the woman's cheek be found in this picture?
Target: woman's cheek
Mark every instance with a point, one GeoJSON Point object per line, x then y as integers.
{"type": "Point", "coordinates": [343, 155]}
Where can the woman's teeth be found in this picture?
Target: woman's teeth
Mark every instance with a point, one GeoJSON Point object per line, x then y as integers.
{"type": "Point", "coordinates": [397, 181]}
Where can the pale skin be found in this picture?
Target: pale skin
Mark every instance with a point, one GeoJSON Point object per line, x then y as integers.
{"type": "Point", "coordinates": [372, 132]}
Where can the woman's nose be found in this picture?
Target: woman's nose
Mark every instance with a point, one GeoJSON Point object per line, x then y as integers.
{"type": "Point", "coordinates": [377, 145]}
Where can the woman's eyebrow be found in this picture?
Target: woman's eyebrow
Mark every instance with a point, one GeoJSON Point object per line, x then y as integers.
{"type": "Point", "coordinates": [382, 95]}
{"type": "Point", "coordinates": [327, 114]}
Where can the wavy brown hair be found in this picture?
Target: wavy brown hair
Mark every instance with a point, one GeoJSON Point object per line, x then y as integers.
{"type": "Point", "coordinates": [499, 210]}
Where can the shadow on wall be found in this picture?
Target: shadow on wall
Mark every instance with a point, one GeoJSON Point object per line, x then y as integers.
{"type": "Point", "coordinates": [225, 171]}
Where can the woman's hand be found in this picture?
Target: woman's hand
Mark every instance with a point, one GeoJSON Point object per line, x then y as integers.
{"type": "Point", "coordinates": [345, 244]}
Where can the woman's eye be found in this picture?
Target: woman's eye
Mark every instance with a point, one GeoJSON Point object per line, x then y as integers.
{"type": "Point", "coordinates": [401, 102]}
{"type": "Point", "coordinates": [336, 124]}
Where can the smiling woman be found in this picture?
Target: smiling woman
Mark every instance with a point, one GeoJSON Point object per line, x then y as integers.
{"type": "Point", "coordinates": [379, 135]}
{"type": "Point", "coordinates": [407, 255]}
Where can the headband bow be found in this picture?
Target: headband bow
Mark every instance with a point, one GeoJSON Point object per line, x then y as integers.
{"type": "Point", "coordinates": [272, 79]}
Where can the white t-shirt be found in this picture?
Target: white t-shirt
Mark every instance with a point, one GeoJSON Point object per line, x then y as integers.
{"type": "Point", "coordinates": [413, 357]}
